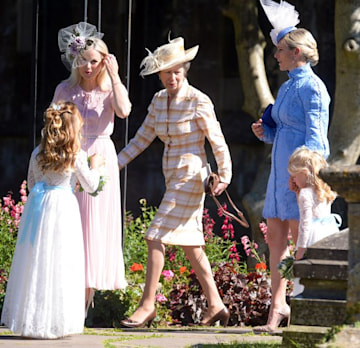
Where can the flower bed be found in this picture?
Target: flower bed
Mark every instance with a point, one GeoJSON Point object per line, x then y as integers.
{"type": "Point", "coordinates": [179, 298]}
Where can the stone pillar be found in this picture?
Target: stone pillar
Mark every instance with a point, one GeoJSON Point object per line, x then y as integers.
{"type": "Point", "coordinates": [346, 182]}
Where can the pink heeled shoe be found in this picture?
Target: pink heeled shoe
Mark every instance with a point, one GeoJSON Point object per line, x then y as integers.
{"type": "Point", "coordinates": [136, 324]}
{"type": "Point", "coordinates": [279, 317]}
{"type": "Point", "coordinates": [222, 315]}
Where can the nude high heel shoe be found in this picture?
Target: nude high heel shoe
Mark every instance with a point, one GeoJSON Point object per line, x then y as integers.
{"type": "Point", "coordinates": [278, 317]}
{"type": "Point", "coordinates": [222, 315]}
{"type": "Point", "coordinates": [136, 324]}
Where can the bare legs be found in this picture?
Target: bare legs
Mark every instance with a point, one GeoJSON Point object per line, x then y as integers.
{"type": "Point", "coordinates": [155, 264]}
{"type": "Point", "coordinates": [277, 234]}
{"type": "Point", "coordinates": [202, 268]}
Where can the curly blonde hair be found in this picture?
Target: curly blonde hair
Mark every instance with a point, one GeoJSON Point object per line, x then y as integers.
{"type": "Point", "coordinates": [310, 163]}
{"type": "Point", "coordinates": [60, 137]}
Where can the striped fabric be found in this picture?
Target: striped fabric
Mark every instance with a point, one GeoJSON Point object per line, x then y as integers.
{"type": "Point", "coordinates": [182, 129]}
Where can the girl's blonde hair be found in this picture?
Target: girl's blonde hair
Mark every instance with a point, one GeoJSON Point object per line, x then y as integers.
{"type": "Point", "coordinates": [303, 39]}
{"type": "Point", "coordinates": [103, 78]}
{"type": "Point", "coordinates": [60, 137]}
{"type": "Point", "coordinates": [310, 162]}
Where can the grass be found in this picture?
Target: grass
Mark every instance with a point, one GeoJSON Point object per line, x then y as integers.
{"type": "Point", "coordinates": [241, 345]}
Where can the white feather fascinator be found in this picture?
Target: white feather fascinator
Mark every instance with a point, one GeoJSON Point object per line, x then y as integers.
{"type": "Point", "coordinates": [73, 40]}
{"type": "Point", "coordinates": [282, 16]}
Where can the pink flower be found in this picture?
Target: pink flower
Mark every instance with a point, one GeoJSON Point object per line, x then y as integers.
{"type": "Point", "coordinates": [23, 199]}
{"type": "Point", "coordinates": [160, 298]}
{"type": "Point", "coordinates": [7, 200]}
{"type": "Point", "coordinates": [168, 274]}
{"type": "Point", "coordinates": [246, 244]}
{"type": "Point", "coordinates": [77, 45]}
{"type": "Point", "coordinates": [263, 229]}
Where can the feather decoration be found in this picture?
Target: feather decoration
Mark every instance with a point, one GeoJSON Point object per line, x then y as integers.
{"type": "Point", "coordinates": [281, 15]}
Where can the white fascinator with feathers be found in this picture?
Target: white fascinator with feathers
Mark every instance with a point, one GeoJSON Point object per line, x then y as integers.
{"type": "Point", "coordinates": [282, 16]}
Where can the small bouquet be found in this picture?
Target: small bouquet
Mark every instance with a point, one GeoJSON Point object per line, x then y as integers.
{"type": "Point", "coordinates": [102, 182]}
{"type": "Point", "coordinates": [286, 268]}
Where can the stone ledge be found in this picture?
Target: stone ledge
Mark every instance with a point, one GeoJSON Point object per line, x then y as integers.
{"type": "Point", "coordinates": [321, 269]}
{"type": "Point", "coordinates": [315, 312]}
{"type": "Point", "coordinates": [304, 336]}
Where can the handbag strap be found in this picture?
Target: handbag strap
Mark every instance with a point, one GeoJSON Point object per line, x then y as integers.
{"type": "Point", "coordinates": [241, 219]}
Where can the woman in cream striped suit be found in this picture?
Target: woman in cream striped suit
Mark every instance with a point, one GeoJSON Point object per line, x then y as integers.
{"type": "Point", "coordinates": [181, 116]}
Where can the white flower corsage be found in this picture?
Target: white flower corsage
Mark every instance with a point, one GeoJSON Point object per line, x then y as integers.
{"type": "Point", "coordinates": [102, 181]}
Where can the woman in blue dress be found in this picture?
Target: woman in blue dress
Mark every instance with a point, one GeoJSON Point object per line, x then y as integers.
{"type": "Point", "coordinates": [301, 117]}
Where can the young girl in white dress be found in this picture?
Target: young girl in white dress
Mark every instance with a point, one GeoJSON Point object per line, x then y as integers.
{"type": "Point", "coordinates": [46, 289]}
{"type": "Point", "coordinates": [314, 198]}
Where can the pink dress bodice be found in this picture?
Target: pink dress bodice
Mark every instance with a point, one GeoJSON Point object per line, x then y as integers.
{"type": "Point", "coordinates": [95, 108]}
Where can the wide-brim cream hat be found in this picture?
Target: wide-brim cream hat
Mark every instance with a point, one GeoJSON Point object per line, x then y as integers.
{"type": "Point", "coordinates": [167, 56]}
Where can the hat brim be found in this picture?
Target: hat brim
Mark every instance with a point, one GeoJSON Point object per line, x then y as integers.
{"type": "Point", "coordinates": [188, 56]}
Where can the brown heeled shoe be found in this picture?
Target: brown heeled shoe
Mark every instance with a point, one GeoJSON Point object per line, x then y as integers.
{"type": "Point", "coordinates": [283, 316]}
{"type": "Point", "coordinates": [222, 315]}
{"type": "Point", "coordinates": [135, 324]}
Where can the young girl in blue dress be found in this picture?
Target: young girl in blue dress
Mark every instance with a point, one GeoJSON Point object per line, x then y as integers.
{"type": "Point", "coordinates": [46, 289]}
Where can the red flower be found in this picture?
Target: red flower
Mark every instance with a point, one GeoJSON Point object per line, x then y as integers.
{"type": "Point", "coordinates": [261, 266]}
{"type": "Point", "coordinates": [136, 267]}
{"type": "Point", "coordinates": [182, 269]}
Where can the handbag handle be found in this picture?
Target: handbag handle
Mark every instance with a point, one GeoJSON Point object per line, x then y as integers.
{"type": "Point", "coordinates": [212, 181]}
{"type": "Point", "coordinates": [241, 219]}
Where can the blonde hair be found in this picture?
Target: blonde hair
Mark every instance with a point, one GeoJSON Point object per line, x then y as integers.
{"type": "Point", "coordinates": [310, 163]}
{"type": "Point", "coordinates": [61, 137]}
{"type": "Point", "coordinates": [303, 39]}
{"type": "Point", "coordinates": [103, 78]}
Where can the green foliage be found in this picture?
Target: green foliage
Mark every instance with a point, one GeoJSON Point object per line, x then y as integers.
{"type": "Point", "coordinates": [179, 297]}
{"type": "Point", "coordinates": [136, 248]}
{"type": "Point", "coordinates": [10, 214]}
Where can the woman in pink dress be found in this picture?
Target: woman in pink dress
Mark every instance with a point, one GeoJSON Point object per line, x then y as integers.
{"type": "Point", "coordinates": [94, 85]}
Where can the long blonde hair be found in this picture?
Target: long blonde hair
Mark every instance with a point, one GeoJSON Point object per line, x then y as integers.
{"type": "Point", "coordinates": [103, 78]}
{"type": "Point", "coordinates": [60, 137]}
{"type": "Point", "coordinates": [310, 163]}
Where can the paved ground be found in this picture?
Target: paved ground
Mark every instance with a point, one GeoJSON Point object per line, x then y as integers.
{"type": "Point", "coordinates": [171, 338]}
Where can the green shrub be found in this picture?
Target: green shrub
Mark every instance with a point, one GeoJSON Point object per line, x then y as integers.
{"type": "Point", "coordinates": [10, 214]}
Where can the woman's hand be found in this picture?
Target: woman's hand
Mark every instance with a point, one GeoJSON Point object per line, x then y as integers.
{"type": "Point", "coordinates": [112, 67]}
{"type": "Point", "coordinates": [220, 188]}
{"type": "Point", "coordinates": [258, 128]}
{"type": "Point", "coordinates": [96, 161]}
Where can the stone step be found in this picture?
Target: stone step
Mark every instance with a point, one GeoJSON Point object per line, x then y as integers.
{"type": "Point", "coordinates": [316, 312]}
{"type": "Point", "coordinates": [303, 336]}
{"type": "Point", "coordinates": [334, 247]}
{"type": "Point", "coordinates": [321, 269]}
